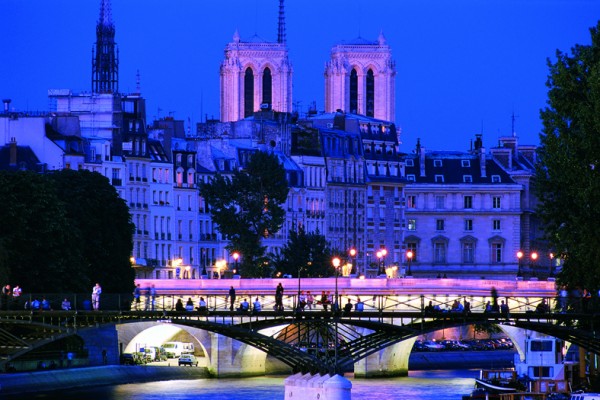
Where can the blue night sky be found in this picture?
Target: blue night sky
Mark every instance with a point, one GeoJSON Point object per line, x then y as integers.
{"type": "Point", "coordinates": [463, 66]}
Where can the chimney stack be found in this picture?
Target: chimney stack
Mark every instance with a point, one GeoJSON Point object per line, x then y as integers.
{"type": "Point", "coordinates": [13, 152]}
{"type": "Point", "coordinates": [6, 105]}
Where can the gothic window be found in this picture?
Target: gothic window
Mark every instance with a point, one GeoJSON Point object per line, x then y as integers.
{"type": "Point", "coordinates": [248, 92]}
{"type": "Point", "coordinates": [370, 93]}
{"type": "Point", "coordinates": [353, 92]}
{"type": "Point", "coordinates": [267, 97]}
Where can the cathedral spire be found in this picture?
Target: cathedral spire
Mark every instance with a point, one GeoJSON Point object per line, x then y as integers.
{"type": "Point", "coordinates": [281, 24]}
{"type": "Point", "coordinates": [105, 56]}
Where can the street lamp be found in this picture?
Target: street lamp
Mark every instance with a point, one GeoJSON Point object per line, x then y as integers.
{"type": "Point", "coordinates": [236, 257]}
{"type": "Point", "coordinates": [381, 256]}
{"type": "Point", "coordinates": [409, 257]}
{"type": "Point", "coordinates": [534, 257]}
{"type": "Point", "coordinates": [353, 260]}
{"type": "Point", "coordinates": [336, 263]}
{"type": "Point", "coordinates": [551, 275]}
{"type": "Point", "coordinates": [519, 257]}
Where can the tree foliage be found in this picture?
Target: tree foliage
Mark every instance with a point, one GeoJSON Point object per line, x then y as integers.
{"type": "Point", "coordinates": [246, 206]}
{"type": "Point", "coordinates": [102, 219]}
{"type": "Point", "coordinates": [568, 172]}
{"type": "Point", "coordinates": [308, 252]}
{"type": "Point", "coordinates": [63, 232]}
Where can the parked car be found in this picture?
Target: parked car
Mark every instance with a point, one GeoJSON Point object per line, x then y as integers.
{"type": "Point", "coordinates": [433, 346]}
{"type": "Point", "coordinates": [188, 359]}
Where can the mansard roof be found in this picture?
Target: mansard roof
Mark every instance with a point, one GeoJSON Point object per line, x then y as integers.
{"type": "Point", "coordinates": [455, 168]}
{"type": "Point", "coordinates": [26, 159]}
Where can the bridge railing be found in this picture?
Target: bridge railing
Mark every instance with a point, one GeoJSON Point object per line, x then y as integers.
{"type": "Point", "coordinates": [376, 302]}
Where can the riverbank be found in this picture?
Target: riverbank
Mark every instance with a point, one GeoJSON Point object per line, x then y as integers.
{"type": "Point", "coordinates": [60, 379]}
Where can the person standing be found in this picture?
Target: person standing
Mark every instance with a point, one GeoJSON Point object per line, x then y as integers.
{"type": "Point", "coordinates": [16, 294]}
{"type": "Point", "coordinates": [137, 292]}
{"type": "Point", "coordinates": [279, 298]}
{"type": "Point", "coordinates": [147, 306]}
{"type": "Point", "coordinates": [231, 298]}
{"type": "Point", "coordinates": [96, 292]}
{"type": "Point", "coordinates": [5, 296]}
{"type": "Point", "coordinates": [153, 296]}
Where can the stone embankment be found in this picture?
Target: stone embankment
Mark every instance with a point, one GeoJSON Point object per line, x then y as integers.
{"type": "Point", "coordinates": [60, 379]}
{"type": "Point", "coordinates": [43, 381]}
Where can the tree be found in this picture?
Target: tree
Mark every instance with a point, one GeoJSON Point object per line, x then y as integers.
{"type": "Point", "coordinates": [103, 223]}
{"type": "Point", "coordinates": [307, 251]}
{"type": "Point", "coordinates": [247, 207]}
{"type": "Point", "coordinates": [37, 245]}
{"type": "Point", "coordinates": [568, 171]}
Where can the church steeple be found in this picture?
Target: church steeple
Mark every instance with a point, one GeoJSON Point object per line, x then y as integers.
{"type": "Point", "coordinates": [105, 56]}
{"type": "Point", "coordinates": [281, 24]}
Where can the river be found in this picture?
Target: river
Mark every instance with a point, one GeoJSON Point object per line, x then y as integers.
{"type": "Point", "coordinates": [419, 385]}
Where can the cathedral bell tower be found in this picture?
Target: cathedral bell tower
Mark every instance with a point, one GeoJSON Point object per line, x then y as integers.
{"type": "Point", "coordinates": [360, 79]}
{"type": "Point", "coordinates": [105, 55]}
{"type": "Point", "coordinates": [256, 74]}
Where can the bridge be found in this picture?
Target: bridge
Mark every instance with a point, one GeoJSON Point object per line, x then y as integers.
{"type": "Point", "coordinates": [312, 340]}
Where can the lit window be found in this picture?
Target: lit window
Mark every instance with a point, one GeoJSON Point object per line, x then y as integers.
{"type": "Point", "coordinates": [412, 225]}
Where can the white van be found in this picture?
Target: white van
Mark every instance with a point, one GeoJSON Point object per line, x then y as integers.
{"type": "Point", "coordinates": [174, 349]}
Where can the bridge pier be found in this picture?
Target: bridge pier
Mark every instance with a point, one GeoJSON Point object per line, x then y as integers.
{"type": "Point", "coordinates": [100, 340]}
{"type": "Point", "coordinates": [389, 362]}
{"type": "Point", "coordinates": [231, 358]}
{"type": "Point", "coordinates": [323, 387]}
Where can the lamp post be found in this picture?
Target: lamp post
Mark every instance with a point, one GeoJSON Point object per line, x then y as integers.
{"type": "Point", "coordinates": [519, 257]}
{"type": "Point", "coordinates": [236, 257]}
{"type": "Point", "coordinates": [336, 264]}
{"type": "Point", "coordinates": [551, 269]}
{"type": "Point", "coordinates": [353, 261]}
{"type": "Point", "coordinates": [409, 257]}
{"type": "Point", "coordinates": [534, 257]}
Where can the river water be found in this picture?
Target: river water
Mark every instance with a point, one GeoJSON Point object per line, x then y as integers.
{"type": "Point", "coordinates": [419, 385]}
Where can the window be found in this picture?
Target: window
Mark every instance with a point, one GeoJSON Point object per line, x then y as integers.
{"type": "Point", "coordinates": [467, 179]}
{"type": "Point", "coordinates": [410, 162]}
{"type": "Point", "coordinates": [496, 202]}
{"type": "Point", "coordinates": [439, 224]}
{"type": "Point", "coordinates": [496, 224]}
{"type": "Point", "coordinates": [439, 202]}
{"type": "Point", "coordinates": [412, 225]}
{"type": "Point", "coordinates": [410, 177]}
{"type": "Point", "coordinates": [439, 179]}
{"type": "Point", "coordinates": [465, 163]}
{"type": "Point", "coordinates": [370, 93]}
{"type": "Point", "coordinates": [266, 87]}
{"type": "Point", "coordinates": [411, 201]}
{"type": "Point", "coordinates": [412, 246]}
{"type": "Point", "coordinates": [468, 224]}
{"type": "Point", "coordinates": [468, 252]}
{"type": "Point", "coordinates": [541, 345]}
{"type": "Point", "coordinates": [496, 252]}
{"type": "Point", "coordinates": [353, 92]}
{"type": "Point", "coordinates": [496, 179]}
{"type": "Point", "coordinates": [439, 252]}
{"type": "Point", "coordinates": [437, 163]}
{"type": "Point", "coordinates": [248, 92]}
{"type": "Point", "coordinates": [468, 201]}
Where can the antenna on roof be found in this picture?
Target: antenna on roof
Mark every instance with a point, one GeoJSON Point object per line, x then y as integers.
{"type": "Point", "coordinates": [513, 118]}
{"type": "Point", "coordinates": [138, 88]}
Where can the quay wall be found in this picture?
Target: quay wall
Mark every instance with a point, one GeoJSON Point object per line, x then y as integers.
{"type": "Point", "coordinates": [60, 379]}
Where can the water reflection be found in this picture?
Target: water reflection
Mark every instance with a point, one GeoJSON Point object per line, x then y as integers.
{"type": "Point", "coordinates": [438, 385]}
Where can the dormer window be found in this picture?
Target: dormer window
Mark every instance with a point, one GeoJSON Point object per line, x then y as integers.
{"type": "Point", "coordinates": [439, 179]}
{"type": "Point", "coordinates": [467, 179]}
{"type": "Point", "coordinates": [410, 177]}
{"type": "Point", "coordinates": [496, 179]}
{"type": "Point", "coordinates": [465, 163]}
{"type": "Point", "coordinates": [410, 162]}
{"type": "Point", "coordinates": [437, 163]}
